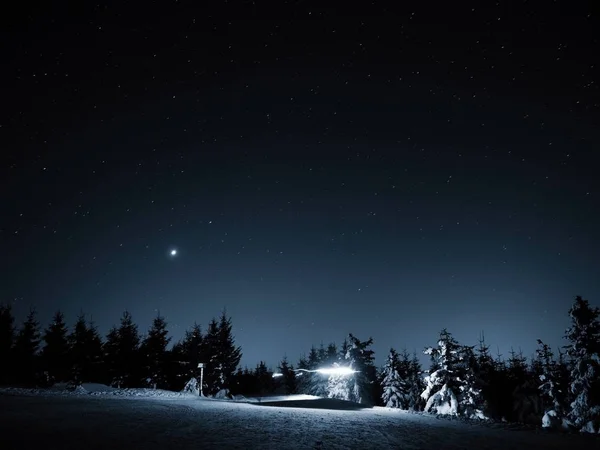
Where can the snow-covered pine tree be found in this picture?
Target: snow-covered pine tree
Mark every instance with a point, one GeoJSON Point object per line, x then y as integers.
{"type": "Point", "coordinates": [25, 350]}
{"type": "Point", "coordinates": [360, 358]}
{"type": "Point", "coordinates": [584, 350]}
{"type": "Point", "coordinates": [393, 390]}
{"type": "Point", "coordinates": [55, 354]}
{"type": "Point", "coordinates": [406, 379]}
{"type": "Point", "coordinates": [320, 382]}
{"type": "Point", "coordinates": [471, 403]}
{"type": "Point", "coordinates": [442, 383]}
{"type": "Point", "coordinates": [338, 386]}
{"type": "Point", "coordinates": [154, 353]}
{"type": "Point", "coordinates": [553, 394]}
{"type": "Point", "coordinates": [7, 339]}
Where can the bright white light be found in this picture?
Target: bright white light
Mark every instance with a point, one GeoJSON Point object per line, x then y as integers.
{"type": "Point", "coordinates": [336, 371]}
{"type": "Point", "coordinates": [173, 252]}
{"type": "Point", "coordinates": [277, 375]}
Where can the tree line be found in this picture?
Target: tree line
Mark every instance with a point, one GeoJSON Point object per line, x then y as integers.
{"type": "Point", "coordinates": [123, 359]}
{"type": "Point", "coordinates": [556, 390]}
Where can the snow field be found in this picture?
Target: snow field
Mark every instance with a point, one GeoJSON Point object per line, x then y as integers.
{"type": "Point", "coordinates": [104, 419]}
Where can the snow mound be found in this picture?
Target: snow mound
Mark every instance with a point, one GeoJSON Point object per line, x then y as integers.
{"type": "Point", "coordinates": [94, 389]}
{"type": "Point", "coordinates": [97, 387]}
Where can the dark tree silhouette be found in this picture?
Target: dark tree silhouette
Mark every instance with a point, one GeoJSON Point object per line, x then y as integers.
{"type": "Point", "coordinates": [25, 350]}
{"type": "Point", "coordinates": [55, 354]}
{"type": "Point", "coordinates": [154, 353]}
{"type": "Point", "coordinates": [7, 339]}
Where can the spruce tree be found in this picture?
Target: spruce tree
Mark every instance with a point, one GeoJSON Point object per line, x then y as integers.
{"type": "Point", "coordinates": [332, 354]}
{"type": "Point", "coordinates": [553, 394]}
{"type": "Point", "coordinates": [122, 353]}
{"type": "Point", "coordinates": [264, 378]}
{"type": "Point", "coordinates": [338, 386]}
{"type": "Point", "coordinates": [111, 357]}
{"type": "Point", "coordinates": [393, 390]}
{"type": "Point", "coordinates": [288, 376]}
{"type": "Point", "coordinates": [416, 384]}
{"type": "Point", "coordinates": [443, 382]}
{"type": "Point", "coordinates": [228, 355]}
{"type": "Point", "coordinates": [360, 358]}
{"type": "Point", "coordinates": [188, 354]}
{"type": "Point", "coordinates": [212, 371]}
{"type": "Point", "coordinates": [302, 376]}
{"type": "Point", "coordinates": [85, 352]}
{"type": "Point", "coordinates": [584, 351]}
{"type": "Point", "coordinates": [471, 402]}
{"type": "Point", "coordinates": [7, 339]}
{"type": "Point", "coordinates": [154, 353]}
{"type": "Point", "coordinates": [25, 350]}
{"type": "Point", "coordinates": [55, 354]}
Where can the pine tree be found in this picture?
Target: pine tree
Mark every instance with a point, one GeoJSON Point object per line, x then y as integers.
{"type": "Point", "coordinates": [312, 381]}
{"type": "Point", "coordinates": [122, 353]}
{"type": "Point", "coordinates": [7, 339]}
{"type": "Point", "coordinates": [553, 394]}
{"type": "Point", "coordinates": [394, 395]}
{"type": "Point", "coordinates": [584, 351]}
{"type": "Point", "coordinates": [264, 379]}
{"type": "Point", "coordinates": [212, 371]}
{"type": "Point", "coordinates": [360, 358]}
{"type": "Point", "coordinates": [320, 381]}
{"type": "Point", "coordinates": [25, 350]}
{"type": "Point", "coordinates": [338, 386]}
{"type": "Point", "coordinates": [302, 376]}
{"type": "Point", "coordinates": [416, 384]}
{"type": "Point", "coordinates": [228, 354]}
{"type": "Point", "coordinates": [111, 359]}
{"type": "Point", "coordinates": [487, 375]}
{"type": "Point", "coordinates": [332, 354]}
{"type": "Point", "coordinates": [188, 354]}
{"type": "Point", "coordinates": [443, 383]}
{"type": "Point", "coordinates": [471, 403]}
{"type": "Point", "coordinates": [55, 354]}
{"type": "Point", "coordinates": [154, 353]}
{"type": "Point", "coordinates": [288, 376]}
{"type": "Point", "coordinates": [129, 357]}
{"type": "Point", "coordinates": [85, 352]}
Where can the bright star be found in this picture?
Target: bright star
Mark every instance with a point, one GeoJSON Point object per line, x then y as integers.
{"type": "Point", "coordinates": [173, 252]}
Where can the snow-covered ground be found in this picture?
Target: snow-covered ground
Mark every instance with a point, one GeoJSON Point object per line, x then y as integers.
{"type": "Point", "coordinates": [97, 417]}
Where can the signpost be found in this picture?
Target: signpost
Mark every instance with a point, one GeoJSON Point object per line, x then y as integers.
{"type": "Point", "coordinates": [201, 367]}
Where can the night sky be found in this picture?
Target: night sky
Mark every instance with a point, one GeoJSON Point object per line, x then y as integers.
{"type": "Point", "coordinates": [388, 170]}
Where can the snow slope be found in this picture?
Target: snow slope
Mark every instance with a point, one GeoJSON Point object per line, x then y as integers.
{"type": "Point", "coordinates": [75, 421]}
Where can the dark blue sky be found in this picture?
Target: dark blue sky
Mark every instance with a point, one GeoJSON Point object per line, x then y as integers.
{"type": "Point", "coordinates": [382, 172]}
